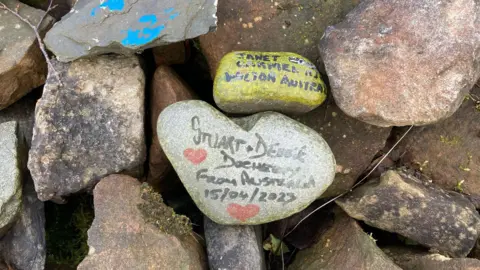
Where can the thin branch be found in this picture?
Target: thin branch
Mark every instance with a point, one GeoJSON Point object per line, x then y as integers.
{"type": "Point", "coordinates": [36, 31]}
{"type": "Point", "coordinates": [354, 186]}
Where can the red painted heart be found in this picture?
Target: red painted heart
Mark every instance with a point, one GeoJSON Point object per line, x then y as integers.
{"type": "Point", "coordinates": [195, 156]}
{"type": "Point", "coordinates": [242, 213]}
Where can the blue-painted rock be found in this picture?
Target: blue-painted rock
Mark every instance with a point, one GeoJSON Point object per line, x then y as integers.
{"type": "Point", "coordinates": [127, 26]}
{"type": "Point", "coordinates": [249, 82]}
{"type": "Point", "coordinates": [251, 170]}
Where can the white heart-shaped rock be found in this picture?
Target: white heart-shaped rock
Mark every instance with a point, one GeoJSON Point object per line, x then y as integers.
{"type": "Point", "coordinates": [251, 170]}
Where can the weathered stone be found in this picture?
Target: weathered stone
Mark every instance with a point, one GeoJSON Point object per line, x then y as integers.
{"type": "Point", "coordinates": [249, 82]}
{"type": "Point", "coordinates": [126, 27]}
{"type": "Point", "coordinates": [234, 247]}
{"type": "Point", "coordinates": [410, 259]}
{"type": "Point", "coordinates": [172, 54]}
{"type": "Point", "coordinates": [62, 7]}
{"type": "Point", "coordinates": [272, 26]}
{"type": "Point", "coordinates": [23, 247]}
{"type": "Point", "coordinates": [22, 66]}
{"type": "Point", "coordinates": [121, 238]}
{"type": "Point", "coordinates": [401, 203]}
{"type": "Point", "coordinates": [167, 88]}
{"type": "Point", "coordinates": [10, 180]}
{"type": "Point", "coordinates": [88, 126]}
{"type": "Point", "coordinates": [448, 152]}
{"type": "Point", "coordinates": [22, 112]}
{"type": "Point", "coordinates": [354, 143]}
{"type": "Point", "coordinates": [344, 246]}
{"type": "Point", "coordinates": [257, 169]}
{"type": "Point", "coordinates": [396, 63]}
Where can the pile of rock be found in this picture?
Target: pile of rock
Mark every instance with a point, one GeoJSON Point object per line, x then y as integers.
{"type": "Point", "coordinates": [305, 98]}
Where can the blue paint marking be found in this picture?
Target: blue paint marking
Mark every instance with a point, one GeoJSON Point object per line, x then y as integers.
{"type": "Point", "coordinates": [112, 5]}
{"type": "Point", "coordinates": [138, 37]}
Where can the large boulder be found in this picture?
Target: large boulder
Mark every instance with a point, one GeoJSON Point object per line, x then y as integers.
{"type": "Point", "coordinates": [122, 237]}
{"type": "Point", "coordinates": [272, 26]}
{"type": "Point", "coordinates": [354, 143]}
{"type": "Point", "coordinates": [344, 246]}
{"type": "Point", "coordinates": [448, 152]}
{"type": "Point", "coordinates": [11, 176]}
{"type": "Point", "coordinates": [403, 62]}
{"type": "Point", "coordinates": [126, 27]}
{"type": "Point", "coordinates": [88, 125]}
{"type": "Point", "coordinates": [167, 88]}
{"type": "Point", "coordinates": [22, 65]}
{"type": "Point", "coordinates": [399, 202]}
{"type": "Point", "coordinates": [24, 246]}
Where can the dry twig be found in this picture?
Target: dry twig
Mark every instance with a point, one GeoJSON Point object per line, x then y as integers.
{"type": "Point", "coordinates": [35, 29]}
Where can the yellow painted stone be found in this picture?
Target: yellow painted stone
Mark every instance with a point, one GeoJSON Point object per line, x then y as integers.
{"type": "Point", "coordinates": [249, 82]}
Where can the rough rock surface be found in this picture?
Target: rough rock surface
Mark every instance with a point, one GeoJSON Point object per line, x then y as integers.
{"type": "Point", "coordinates": [403, 204]}
{"type": "Point", "coordinates": [22, 66]}
{"type": "Point", "coordinates": [167, 88]}
{"type": "Point", "coordinates": [410, 259]}
{"type": "Point", "coordinates": [344, 246]}
{"type": "Point", "coordinates": [234, 247]}
{"type": "Point", "coordinates": [88, 126]}
{"type": "Point", "coordinates": [24, 247]}
{"type": "Point", "coordinates": [449, 152]}
{"type": "Point", "coordinates": [126, 26]}
{"type": "Point", "coordinates": [172, 54]}
{"type": "Point", "coordinates": [272, 26]}
{"type": "Point", "coordinates": [120, 238]}
{"type": "Point", "coordinates": [249, 171]}
{"type": "Point", "coordinates": [403, 62]}
{"type": "Point", "coordinates": [62, 7]}
{"type": "Point", "coordinates": [354, 143]}
{"type": "Point", "coordinates": [249, 82]}
{"type": "Point", "coordinates": [10, 180]}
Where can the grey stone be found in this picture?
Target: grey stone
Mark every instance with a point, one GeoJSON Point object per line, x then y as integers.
{"type": "Point", "coordinates": [400, 203]}
{"type": "Point", "coordinates": [255, 170]}
{"type": "Point", "coordinates": [234, 247]}
{"type": "Point", "coordinates": [10, 180]}
{"type": "Point", "coordinates": [414, 259]}
{"type": "Point", "coordinates": [22, 65]}
{"type": "Point", "coordinates": [128, 26]}
{"type": "Point", "coordinates": [88, 126]}
{"type": "Point", "coordinates": [120, 237]}
{"type": "Point", "coordinates": [403, 62]}
{"type": "Point", "coordinates": [24, 247]}
{"type": "Point", "coordinates": [344, 246]}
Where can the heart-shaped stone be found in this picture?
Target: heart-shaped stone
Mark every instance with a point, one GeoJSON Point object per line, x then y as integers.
{"type": "Point", "coordinates": [257, 169]}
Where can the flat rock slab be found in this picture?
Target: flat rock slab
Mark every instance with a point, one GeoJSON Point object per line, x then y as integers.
{"type": "Point", "coordinates": [252, 171]}
{"type": "Point", "coordinates": [343, 246]}
{"type": "Point", "coordinates": [121, 238]}
{"type": "Point", "coordinates": [249, 82]}
{"type": "Point", "coordinates": [22, 65]}
{"type": "Point", "coordinates": [24, 246]}
{"type": "Point", "coordinates": [88, 126]}
{"type": "Point", "coordinates": [421, 211]}
{"type": "Point", "coordinates": [128, 26]}
{"type": "Point", "coordinates": [10, 180]}
{"type": "Point", "coordinates": [403, 62]}
{"type": "Point", "coordinates": [234, 247]}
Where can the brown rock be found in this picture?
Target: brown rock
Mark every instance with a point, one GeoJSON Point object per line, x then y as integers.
{"type": "Point", "coordinates": [22, 65]}
{"type": "Point", "coordinates": [403, 62]}
{"type": "Point", "coordinates": [172, 54]}
{"type": "Point", "coordinates": [121, 238]}
{"type": "Point", "coordinates": [344, 246]}
{"type": "Point", "coordinates": [413, 259]}
{"type": "Point", "coordinates": [449, 151]}
{"type": "Point", "coordinates": [167, 88]}
{"type": "Point", "coordinates": [401, 203]}
{"type": "Point", "coordinates": [272, 26]}
{"type": "Point", "coordinates": [354, 143]}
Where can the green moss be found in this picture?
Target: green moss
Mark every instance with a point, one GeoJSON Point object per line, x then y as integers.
{"type": "Point", "coordinates": [154, 211]}
{"type": "Point", "coordinates": [450, 140]}
{"type": "Point", "coordinates": [66, 231]}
